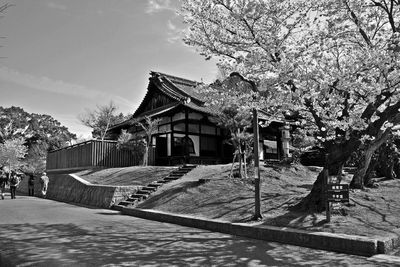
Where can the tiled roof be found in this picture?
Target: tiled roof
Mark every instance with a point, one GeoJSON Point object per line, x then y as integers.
{"type": "Point", "coordinates": [205, 109]}
{"type": "Point", "coordinates": [184, 92]}
{"type": "Point", "coordinates": [181, 86]}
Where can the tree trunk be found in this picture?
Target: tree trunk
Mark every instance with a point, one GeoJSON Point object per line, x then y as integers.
{"type": "Point", "coordinates": [370, 171]}
{"type": "Point", "coordinates": [386, 163]}
{"type": "Point", "coordinates": [245, 165]}
{"type": "Point", "coordinates": [315, 200]}
{"type": "Point", "coordinates": [233, 164]}
{"type": "Point", "coordinates": [145, 155]}
{"type": "Point", "coordinates": [360, 177]}
{"type": "Point", "coordinates": [337, 156]}
{"type": "Point", "coordinates": [240, 163]}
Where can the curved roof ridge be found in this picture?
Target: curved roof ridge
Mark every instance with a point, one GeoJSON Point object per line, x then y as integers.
{"type": "Point", "coordinates": [176, 79]}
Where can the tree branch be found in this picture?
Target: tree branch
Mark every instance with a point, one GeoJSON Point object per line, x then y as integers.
{"type": "Point", "coordinates": [357, 23]}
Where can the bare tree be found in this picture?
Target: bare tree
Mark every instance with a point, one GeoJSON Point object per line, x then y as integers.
{"type": "Point", "coordinates": [101, 119]}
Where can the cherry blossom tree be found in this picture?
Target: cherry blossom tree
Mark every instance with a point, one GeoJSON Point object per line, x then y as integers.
{"type": "Point", "coordinates": [12, 151]}
{"type": "Point", "coordinates": [337, 61]}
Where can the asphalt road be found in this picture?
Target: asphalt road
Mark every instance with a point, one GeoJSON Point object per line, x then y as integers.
{"type": "Point", "coordinates": [41, 232]}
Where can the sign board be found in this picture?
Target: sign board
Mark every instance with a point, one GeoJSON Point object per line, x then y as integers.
{"type": "Point", "coordinates": [337, 187]}
{"type": "Point", "coordinates": [340, 196]}
{"type": "Point", "coordinates": [337, 192]}
{"type": "Point", "coordinates": [334, 179]}
{"type": "Point", "coordinates": [335, 206]}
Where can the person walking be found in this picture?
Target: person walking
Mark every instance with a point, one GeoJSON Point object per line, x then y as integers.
{"type": "Point", "coordinates": [44, 180]}
{"type": "Point", "coordinates": [31, 184]}
{"type": "Point", "coordinates": [3, 182]}
{"type": "Point", "coordinates": [14, 182]}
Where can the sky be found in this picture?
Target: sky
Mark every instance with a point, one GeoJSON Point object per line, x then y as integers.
{"type": "Point", "coordinates": [63, 57]}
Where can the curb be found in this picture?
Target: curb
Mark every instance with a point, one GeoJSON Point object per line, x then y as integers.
{"type": "Point", "coordinates": [349, 244]}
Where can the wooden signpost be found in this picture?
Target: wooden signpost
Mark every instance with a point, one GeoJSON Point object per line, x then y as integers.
{"type": "Point", "coordinates": [257, 180]}
{"type": "Point", "coordinates": [335, 194]}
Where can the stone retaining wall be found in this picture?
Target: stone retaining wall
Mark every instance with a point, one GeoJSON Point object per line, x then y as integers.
{"type": "Point", "coordinates": [68, 188]}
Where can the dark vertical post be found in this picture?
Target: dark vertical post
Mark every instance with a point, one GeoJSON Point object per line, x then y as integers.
{"type": "Point", "coordinates": [186, 156]}
{"type": "Point", "coordinates": [257, 180]}
{"type": "Point", "coordinates": [325, 190]}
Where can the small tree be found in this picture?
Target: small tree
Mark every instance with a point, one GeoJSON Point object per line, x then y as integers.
{"type": "Point", "coordinates": [12, 152]}
{"type": "Point", "coordinates": [139, 143]}
{"type": "Point", "coordinates": [133, 143]}
{"type": "Point", "coordinates": [101, 119]}
{"type": "Point", "coordinates": [150, 127]}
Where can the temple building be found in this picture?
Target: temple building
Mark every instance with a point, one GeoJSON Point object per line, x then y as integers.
{"type": "Point", "coordinates": [186, 131]}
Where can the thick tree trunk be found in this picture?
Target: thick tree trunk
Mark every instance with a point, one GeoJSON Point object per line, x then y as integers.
{"type": "Point", "coordinates": [370, 171]}
{"type": "Point", "coordinates": [360, 177]}
{"type": "Point", "coordinates": [337, 156]}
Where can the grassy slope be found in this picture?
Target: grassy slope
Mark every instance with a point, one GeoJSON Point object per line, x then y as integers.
{"type": "Point", "coordinates": [230, 199]}
{"type": "Point", "coordinates": [376, 211]}
{"type": "Point", "coordinates": [135, 175]}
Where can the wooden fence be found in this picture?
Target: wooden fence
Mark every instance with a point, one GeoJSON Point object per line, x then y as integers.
{"type": "Point", "coordinates": [94, 153]}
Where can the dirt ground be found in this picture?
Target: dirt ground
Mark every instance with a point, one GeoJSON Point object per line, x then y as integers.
{"type": "Point", "coordinates": [208, 192]}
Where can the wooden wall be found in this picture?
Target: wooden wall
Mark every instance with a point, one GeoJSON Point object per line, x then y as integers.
{"type": "Point", "coordinates": [94, 153]}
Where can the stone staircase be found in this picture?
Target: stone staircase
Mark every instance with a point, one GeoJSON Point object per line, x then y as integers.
{"type": "Point", "coordinates": [144, 192]}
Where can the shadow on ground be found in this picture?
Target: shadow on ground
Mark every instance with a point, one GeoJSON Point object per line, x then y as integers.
{"type": "Point", "coordinates": [70, 245]}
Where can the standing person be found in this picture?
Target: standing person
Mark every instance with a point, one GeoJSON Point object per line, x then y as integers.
{"type": "Point", "coordinates": [31, 184]}
{"type": "Point", "coordinates": [14, 182]}
{"type": "Point", "coordinates": [3, 182]}
{"type": "Point", "coordinates": [44, 180]}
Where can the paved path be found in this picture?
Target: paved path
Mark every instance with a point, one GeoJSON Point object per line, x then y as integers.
{"type": "Point", "coordinates": [41, 232]}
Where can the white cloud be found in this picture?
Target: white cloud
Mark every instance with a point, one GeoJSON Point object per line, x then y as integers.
{"type": "Point", "coordinates": [174, 33]}
{"type": "Point", "coordinates": [56, 6]}
{"type": "Point", "coordinates": [171, 26]}
{"type": "Point", "coordinates": [155, 6]}
{"type": "Point", "coordinates": [56, 86]}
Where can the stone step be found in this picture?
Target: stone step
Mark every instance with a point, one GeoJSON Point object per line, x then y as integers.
{"type": "Point", "coordinates": [149, 188]}
{"type": "Point", "coordinates": [118, 207]}
{"type": "Point", "coordinates": [189, 166]}
{"type": "Point", "coordinates": [154, 185]}
{"type": "Point", "coordinates": [180, 172]}
{"type": "Point", "coordinates": [143, 191]}
{"type": "Point", "coordinates": [139, 196]}
{"type": "Point", "coordinates": [171, 178]}
{"type": "Point", "coordinates": [186, 169]}
{"type": "Point", "coordinates": [175, 175]}
{"type": "Point", "coordinates": [133, 200]}
{"type": "Point", "coordinates": [126, 203]}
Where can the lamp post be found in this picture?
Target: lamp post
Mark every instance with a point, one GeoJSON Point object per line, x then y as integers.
{"type": "Point", "coordinates": [257, 180]}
